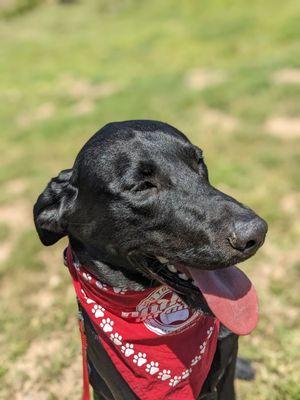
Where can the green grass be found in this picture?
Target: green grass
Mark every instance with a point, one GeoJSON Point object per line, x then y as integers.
{"type": "Point", "coordinates": [55, 61]}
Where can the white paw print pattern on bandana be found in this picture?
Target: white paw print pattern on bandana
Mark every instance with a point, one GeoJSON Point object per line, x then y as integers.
{"type": "Point", "coordinates": [186, 373]}
{"type": "Point", "coordinates": [87, 276]}
{"type": "Point", "coordinates": [107, 324]}
{"type": "Point", "coordinates": [164, 374]}
{"type": "Point", "coordinates": [195, 360]}
{"type": "Point", "coordinates": [89, 301]}
{"type": "Point", "coordinates": [202, 347]}
{"type": "Point", "coordinates": [127, 349]}
{"type": "Point", "coordinates": [152, 367]}
{"type": "Point", "coordinates": [116, 338]}
{"type": "Point", "coordinates": [101, 285]}
{"type": "Point", "coordinates": [209, 332]}
{"type": "Point", "coordinates": [119, 290]}
{"type": "Point", "coordinates": [174, 381]}
{"type": "Point", "coordinates": [140, 359]}
{"type": "Point", "coordinates": [98, 311]}
{"type": "Point", "coordinates": [77, 266]}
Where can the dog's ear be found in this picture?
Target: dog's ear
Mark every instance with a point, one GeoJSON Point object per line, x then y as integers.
{"type": "Point", "coordinates": [53, 207]}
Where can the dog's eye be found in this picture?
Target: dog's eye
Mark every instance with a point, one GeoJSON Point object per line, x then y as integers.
{"type": "Point", "coordinates": [146, 185]}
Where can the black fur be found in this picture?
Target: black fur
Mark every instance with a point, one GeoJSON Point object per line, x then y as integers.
{"type": "Point", "coordinates": [140, 189]}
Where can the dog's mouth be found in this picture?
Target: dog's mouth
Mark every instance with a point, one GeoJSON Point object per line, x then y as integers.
{"type": "Point", "coordinates": [227, 293]}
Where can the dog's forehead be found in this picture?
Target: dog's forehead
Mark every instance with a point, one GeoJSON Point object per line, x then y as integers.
{"type": "Point", "coordinates": [154, 141]}
{"type": "Point", "coordinates": [153, 148]}
{"type": "Point", "coordinates": [128, 147]}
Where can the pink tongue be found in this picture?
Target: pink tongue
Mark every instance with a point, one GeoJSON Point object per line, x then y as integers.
{"type": "Point", "coordinates": [231, 297]}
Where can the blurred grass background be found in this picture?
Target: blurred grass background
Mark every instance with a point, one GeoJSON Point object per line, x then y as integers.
{"type": "Point", "coordinates": [225, 72]}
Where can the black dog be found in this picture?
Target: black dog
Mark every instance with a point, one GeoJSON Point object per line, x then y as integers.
{"type": "Point", "coordinates": [139, 190]}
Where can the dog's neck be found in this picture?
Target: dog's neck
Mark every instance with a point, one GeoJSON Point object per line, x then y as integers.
{"type": "Point", "coordinates": [113, 270]}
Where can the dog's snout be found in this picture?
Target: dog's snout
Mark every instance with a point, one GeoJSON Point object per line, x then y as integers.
{"type": "Point", "coordinates": [248, 235]}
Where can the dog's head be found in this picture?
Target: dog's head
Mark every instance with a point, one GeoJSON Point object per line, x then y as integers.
{"type": "Point", "coordinates": [140, 190]}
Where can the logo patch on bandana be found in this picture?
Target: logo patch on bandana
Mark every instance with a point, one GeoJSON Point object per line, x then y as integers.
{"type": "Point", "coordinates": [164, 312]}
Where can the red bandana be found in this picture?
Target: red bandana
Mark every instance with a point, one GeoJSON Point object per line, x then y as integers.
{"type": "Point", "coordinates": [162, 349]}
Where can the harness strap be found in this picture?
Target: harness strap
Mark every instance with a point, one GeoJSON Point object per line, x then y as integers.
{"type": "Point", "coordinates": [209, 396]}
{"type": "Point", "coordinates": [85, 371]}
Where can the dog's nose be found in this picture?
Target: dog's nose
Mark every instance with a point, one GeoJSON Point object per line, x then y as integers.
{"type": "Point", "coordinates": [248, 235]}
